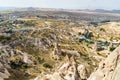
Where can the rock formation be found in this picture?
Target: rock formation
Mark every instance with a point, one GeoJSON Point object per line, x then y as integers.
{"type": "Point", "coordinates": [56, 52]}
{"type": "Point", "coordinates": [108, 69]}
{"type": "Point", "coordinates": [82, 72]}
{"type": "Point", "coordinates": [3, 72]}
{"type": "Point", "coordinates": [11, 58]}
{"type": "Point", "coordinates": [68, 71]}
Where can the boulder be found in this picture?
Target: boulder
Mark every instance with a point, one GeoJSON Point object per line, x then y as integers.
{"type": "Point", "coordinates": [70, 52]}
{"type": "Point", "coordinates": [82, 72]}
{"type": "Point", "coordinates": [4, 74]}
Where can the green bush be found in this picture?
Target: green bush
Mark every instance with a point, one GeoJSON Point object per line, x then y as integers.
{"type": "Point", "coordinates": [112, 48]}
{"type": "Point", "coordinates": [102, 29]}
{"type": "Point", "coordinates": [46, 65]}
{"type": "Point", "coordinates": [1, 37]}
{"type": "Point", "coordinates": [28, 23]}
{"type": "Point", "coordinates": [18, 65]}
{"type": "Point", "coordinates": [90, 35]}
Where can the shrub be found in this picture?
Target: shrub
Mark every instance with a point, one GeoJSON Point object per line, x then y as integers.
{"type": "Point", "coordinates": [28, 23]}
{"type": "Point", "coordinates": [112, 48]}
{"type": "Point", "coordinates": [18, 65]}
{"type": "Point", "coordinates": [102, 29]}
{"type": "Point", "coordinates": [1, 37]}
{"type": "Point", "coordinates": [46, 65]}
{"type": "Point", "coordinates": [90, 35]}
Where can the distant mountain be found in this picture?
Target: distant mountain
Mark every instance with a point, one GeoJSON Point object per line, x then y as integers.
{"type": "Point", "coordinates": [6, 8]}
{"type": "Point", "coordinates": [36, 8]}
{"type": "Point", "coordinates": [116, 11]}
{"type": "Point", "coordinates": [102, 10]}
{"type": "Point", "coordinates": [107, 11]}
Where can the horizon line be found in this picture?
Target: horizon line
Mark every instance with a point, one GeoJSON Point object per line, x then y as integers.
{"type": "Point", "coordinates": [57, 8]}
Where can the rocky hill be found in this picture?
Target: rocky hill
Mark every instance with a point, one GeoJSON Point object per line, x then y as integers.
{"type": "Point", "coordinates": [37, 48]}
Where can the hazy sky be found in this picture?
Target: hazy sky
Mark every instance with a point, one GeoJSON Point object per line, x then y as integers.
{"type": "Point", "coordinates": [69, 4]}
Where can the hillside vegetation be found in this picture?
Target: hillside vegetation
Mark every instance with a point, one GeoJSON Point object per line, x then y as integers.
{"type": "Point", "coordinates": [35, 48]}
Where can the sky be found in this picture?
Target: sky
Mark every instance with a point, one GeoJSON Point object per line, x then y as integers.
{"type": "Point", "coordinates": [65, 4]}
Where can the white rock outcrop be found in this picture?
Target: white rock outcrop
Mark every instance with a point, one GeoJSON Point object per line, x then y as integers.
{"type": "Point", "coordinates": [109, 69]}
{"type": "Point", "coordinates": [68, 71]}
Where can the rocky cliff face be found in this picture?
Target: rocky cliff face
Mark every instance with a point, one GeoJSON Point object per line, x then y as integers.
{"type": "Point", "coordinates": [67, 71]}
{"type": "Point", "coordinates": [11, 59]}
{"type": "Point", "coordinates": [108, 69]}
